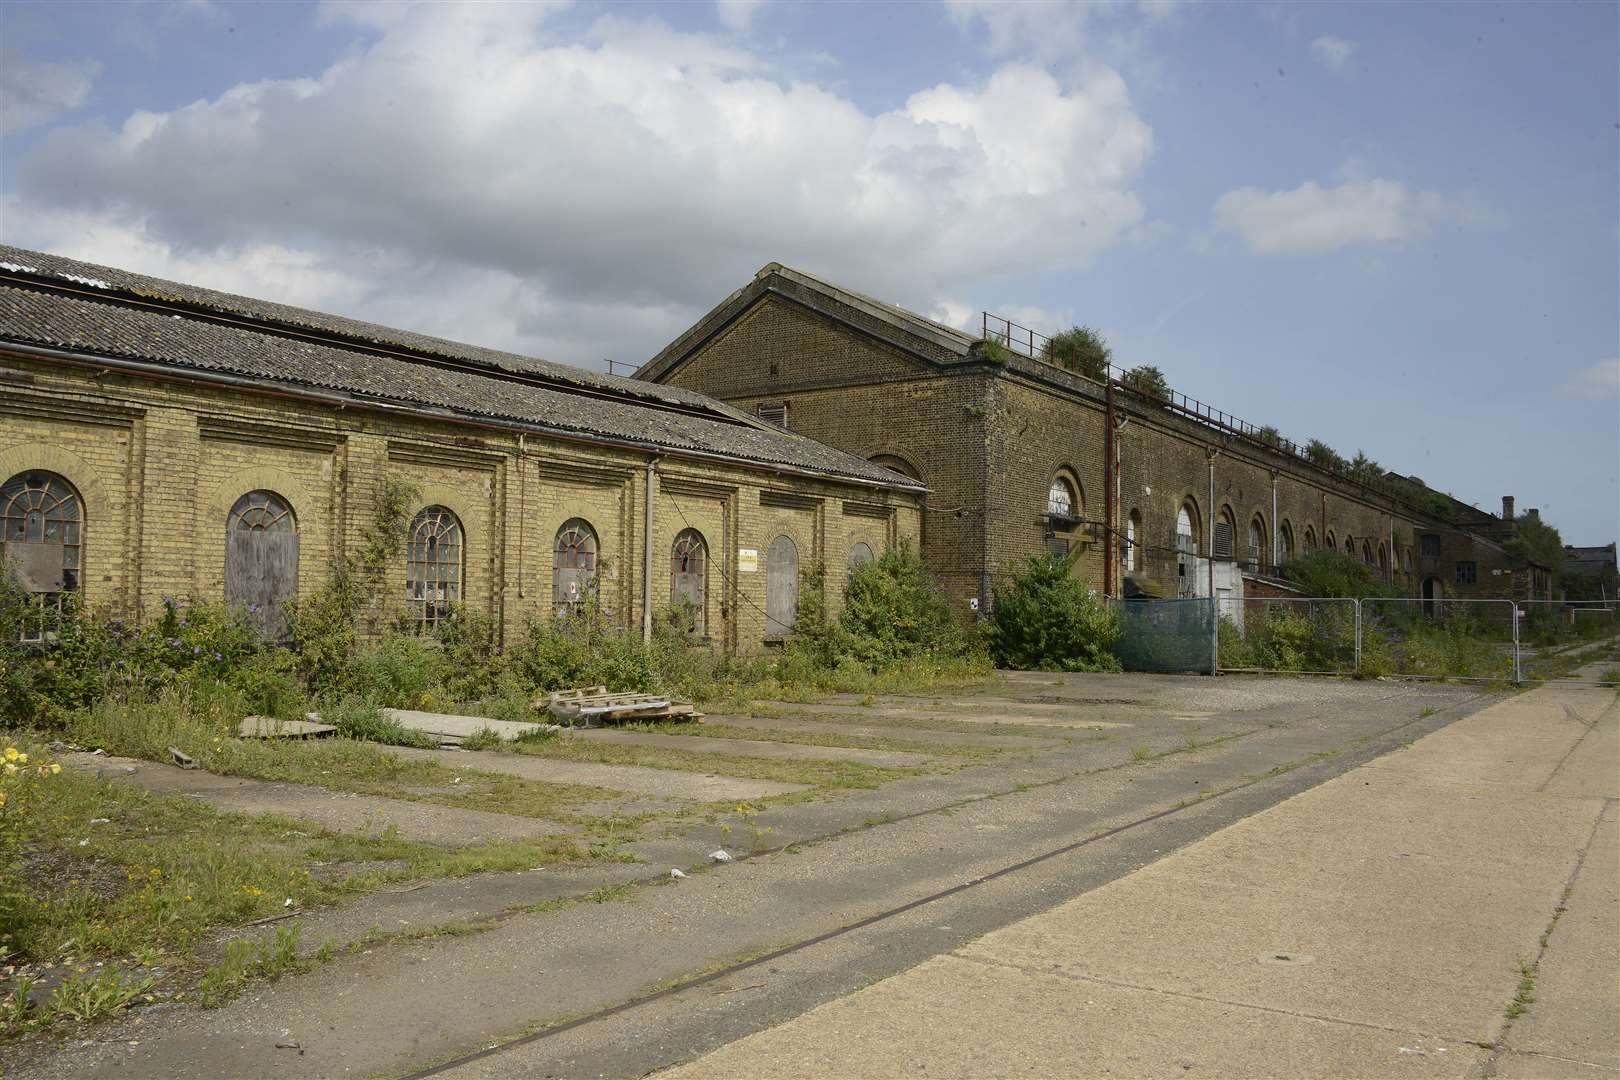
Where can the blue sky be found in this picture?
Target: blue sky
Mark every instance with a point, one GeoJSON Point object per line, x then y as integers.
{"type": "Point", "coordinates": [1393, 227]}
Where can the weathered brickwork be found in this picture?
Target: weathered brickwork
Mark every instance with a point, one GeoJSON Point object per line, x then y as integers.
{"type": "Point", "coordinates": [158, 464]}
{"type": "Point", "coordinates": [872, 399]}
{"type": "Point", "coordinates": [990, 433]}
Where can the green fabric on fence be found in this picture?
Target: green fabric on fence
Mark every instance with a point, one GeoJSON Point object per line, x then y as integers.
{"type": "Point", "coordinates": [1164, 635]}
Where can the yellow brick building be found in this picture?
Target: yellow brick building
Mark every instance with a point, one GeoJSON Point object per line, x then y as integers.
{"type": "Point", "coordinates": [163, 440]}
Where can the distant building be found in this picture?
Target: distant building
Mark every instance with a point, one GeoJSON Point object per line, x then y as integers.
{"type": "Point", "coordinates": [1151, 495]}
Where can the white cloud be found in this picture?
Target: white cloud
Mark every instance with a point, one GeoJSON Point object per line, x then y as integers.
{"type": "Point", "coordinates": [1599, 382]}
{"type": "Point", "coordinates": [33, 92]}
{"type": "Point", "coordinates": [1313, 220]}
{"type": "Point", "coordinates": [736, 15]}
{"type": "Point", "coordinates": [1332, 52]}
{"type": "Point", "coordinates": [470, 174]}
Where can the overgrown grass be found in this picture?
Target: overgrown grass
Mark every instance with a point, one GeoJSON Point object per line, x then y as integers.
{"type": "Point", "coordinates": [201, 729]}
{"type": "Point", "coordinates": [110, 870]}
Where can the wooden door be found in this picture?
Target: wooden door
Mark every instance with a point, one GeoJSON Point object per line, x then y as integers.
{"type": "Point", "coordinates": [261, 561]}
{"type": "Point", "coordinates": [781, 587]}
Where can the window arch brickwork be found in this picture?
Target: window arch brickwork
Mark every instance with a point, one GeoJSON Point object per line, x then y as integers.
{"type": "Point", "coordinates": [573, 566]}
{"type": "Point", "coordinates": [689, 580]}
{"type": "Point", "coordinates": [435, 562]}
{"type": "Point", "coordinates": [42, 539]}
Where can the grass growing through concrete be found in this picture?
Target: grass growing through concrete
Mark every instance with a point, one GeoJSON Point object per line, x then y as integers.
{"type": "Point", "coordinates": [146, 729]}
{"type": "Point", "coordinates": [821, 774]}
{"type": "Point", "coordinates": [110, 872]}
{"type": "Point", "coordinates": [713, 730]}
{"type": "Point", "coordinates": [1526, 993]}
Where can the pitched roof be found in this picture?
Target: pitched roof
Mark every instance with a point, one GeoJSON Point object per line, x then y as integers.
{"type": "Point", "coordinates": [61, 304]}
{"type": "Point", "coordinates": [929, 341]}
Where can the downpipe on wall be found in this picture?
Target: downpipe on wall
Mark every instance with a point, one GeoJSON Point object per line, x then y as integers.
{"type": "Point", "coordinates": [647, 550]}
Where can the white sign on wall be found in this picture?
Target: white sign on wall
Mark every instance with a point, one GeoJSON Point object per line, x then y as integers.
{"type": "Point", "coordinates": [747, 560]}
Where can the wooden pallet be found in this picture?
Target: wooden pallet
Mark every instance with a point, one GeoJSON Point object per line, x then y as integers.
{"type": "Point", "coordinates": [587, 704]}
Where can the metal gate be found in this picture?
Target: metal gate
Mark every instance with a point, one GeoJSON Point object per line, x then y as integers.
{"type": "Point", "coordinates": [1165, 635]}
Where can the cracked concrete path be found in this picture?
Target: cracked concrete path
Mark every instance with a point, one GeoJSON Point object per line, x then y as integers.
{"type": "Point", "coordinates": [1376, 925]}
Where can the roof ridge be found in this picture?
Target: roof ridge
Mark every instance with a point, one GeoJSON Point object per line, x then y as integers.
{"type": "Point", "coordinates": [275, 315]}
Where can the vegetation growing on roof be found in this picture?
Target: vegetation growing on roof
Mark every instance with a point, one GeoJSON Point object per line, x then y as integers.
{"type": "Point", "coordinates": [1538, 542]}
{"type": "Point", "coordinates": [1148, 381]}
{"type": "Point", "coordinates": [1081, 350]}
{"type": "Point", "coordinates": [1323, 456]}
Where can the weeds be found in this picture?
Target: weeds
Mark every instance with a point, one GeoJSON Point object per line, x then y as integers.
{"type": "Point", "coordinates": [250, 958]}
{"type": "Point", "coordinates": [86, 997]}
{"type": "Point", "coordinates": [1526, 992]}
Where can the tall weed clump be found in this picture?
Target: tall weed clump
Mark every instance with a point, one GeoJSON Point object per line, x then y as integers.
{"type": "Point", "coordinates": [1047, 620]}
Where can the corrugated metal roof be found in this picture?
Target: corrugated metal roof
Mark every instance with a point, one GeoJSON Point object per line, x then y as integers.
{"type": "Point", "coordinates": [35, 314]}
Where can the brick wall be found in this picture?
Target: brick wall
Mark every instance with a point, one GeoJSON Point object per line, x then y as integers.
{"type": "Point", "coordinates": [988, 440]}
{"type": "Point", "coordinates": [158, 465]}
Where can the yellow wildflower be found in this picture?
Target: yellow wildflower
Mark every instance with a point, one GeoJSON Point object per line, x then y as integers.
{"type": "Point", "coordinates": [55, 768]}
{"type": "Point", "coordinates": [11, 753]}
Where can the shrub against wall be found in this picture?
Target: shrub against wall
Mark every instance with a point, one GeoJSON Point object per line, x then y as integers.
{"type": "Point", "coordinates": [1047, 620]}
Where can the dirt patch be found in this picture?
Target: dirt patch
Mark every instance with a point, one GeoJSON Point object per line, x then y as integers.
{"type": "Point", "coordinates": [57, 872]}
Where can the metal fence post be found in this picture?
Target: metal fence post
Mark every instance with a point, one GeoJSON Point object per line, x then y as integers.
{"type": "Point", "coordinates": [1214, 634]}
{"type": "Point", "coordinates": [1518, 672]}
{"type": "Point", "coordinates": [1358, 636]}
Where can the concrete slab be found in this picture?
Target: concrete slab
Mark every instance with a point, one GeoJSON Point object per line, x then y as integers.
{"type": "Point", "coordinates": [1576, 1013]}
{"type": "Point", "coordinates": [1511, 1066]}
{"type": "Point", "coordinates": [987, 739]}
{"type": "Point", "coordinates": [702, 744]}
{"type": "Point", "coordinates": [664, 783]}
{"type": "Point", "coordinates": [457, 727]}
{"type": "Point", "coordinates": [268, 727]}
{"type": "Point", "coordinates": [1374, 925]}
{"type": "Point", "coordinates": [1037, 1024]}
{"type": "Point", "coordinates": [369, 814]}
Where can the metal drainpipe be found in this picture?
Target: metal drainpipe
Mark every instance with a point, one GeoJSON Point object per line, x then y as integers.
{"type": "Point", "coordinates": [647, 553]}
{"type": "Point", "coordinates": [1276, 529]}
{"type": "Point", "coordinates": [1209, 546]}
{"type": "Point", "coordinates": [1108, 494]}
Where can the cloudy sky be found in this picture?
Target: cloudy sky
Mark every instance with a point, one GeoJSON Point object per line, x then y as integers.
{"type": "Point", "coordinates": [1391, 227]}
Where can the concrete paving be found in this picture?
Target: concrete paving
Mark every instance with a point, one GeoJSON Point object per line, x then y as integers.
{"type": "Point", "coordinates": [896, 875]}
{"type": "Point", "coordinates": [450, 726]}
{"type": "Point", "coordinates": [340, 812]}
{"type": "Point", "coordinates": [662, 783]}
{"type": "Point", "coordinates": [1375, 925]}
{"type": "Point", "coordinates": [700, 744]}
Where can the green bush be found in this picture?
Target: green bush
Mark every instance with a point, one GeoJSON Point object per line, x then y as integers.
{"type": "Point", "coordinates": [1325, 573]}
{"type": "Point", "coordinates": [1047, 620]}
{"type": "Point", "coordinates": [1080, 349]}
{"type": "Point", "coordinates": [1148, 381]}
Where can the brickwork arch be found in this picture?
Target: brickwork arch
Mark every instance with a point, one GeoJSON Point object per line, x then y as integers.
{"type": "Point", "coordinates": [100, 532]}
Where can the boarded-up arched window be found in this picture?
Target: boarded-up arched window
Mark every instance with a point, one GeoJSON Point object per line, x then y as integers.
{"type": "Point", "coordinates": [41, 534]}
{"type": "Point", "coordinates": [573, 575]}
{"type": "Point", "coordinates": [433, 565]}
{"type": "Point", "coordinates": [781, 587]}
{"type": "Point", "coordinates": [1257, 542]}
{"type": "Point", "coordinates": [860, 554]}
{"type": "Point", "coordinates": [688, 579]}
{"type": "Point", "coordinates": [261, 560]}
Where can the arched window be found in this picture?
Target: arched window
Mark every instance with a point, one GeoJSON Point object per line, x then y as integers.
{"type": "Point", "coordinates": [434, 557]}
{"type": "Point", "coordinates": [1310, 539]}
{"type": "Point", "coordinates": [1383, 559]}
{"type": "Point", "coordinates": [573, 572]}
{"type": "Point", "coordinates": [1060, 499]}
{"type": "Point", "coordinates": [1329, 542]}
{"type": "Point", "coordinates": [860, 554]}
{"type": "Point", "coordinates": [1225, 535]}
{"type": "Point", "coordinates": [897, 464]}
{"type": "Point", "coordinates": [261, 560]}
{"type": "Point", "coordinates": [1366, 552]}
{"type": "Point", "coordinates": [41, 538]}
{"type": "Point", "coordinates": [1350, 547]}
{"type": "Point", "coordinates": [1187, 528]}
{"type": "Point", "coordinates": [1258, 555]}
{"type": "Point", "coordinates": [1133, 527]}
{"type": "Point", "coordinates": [781, 587]}
{"type": "Point", "coordinates": [1285, 540]}
{"type": "Point", "coordinates": [689, 580]}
